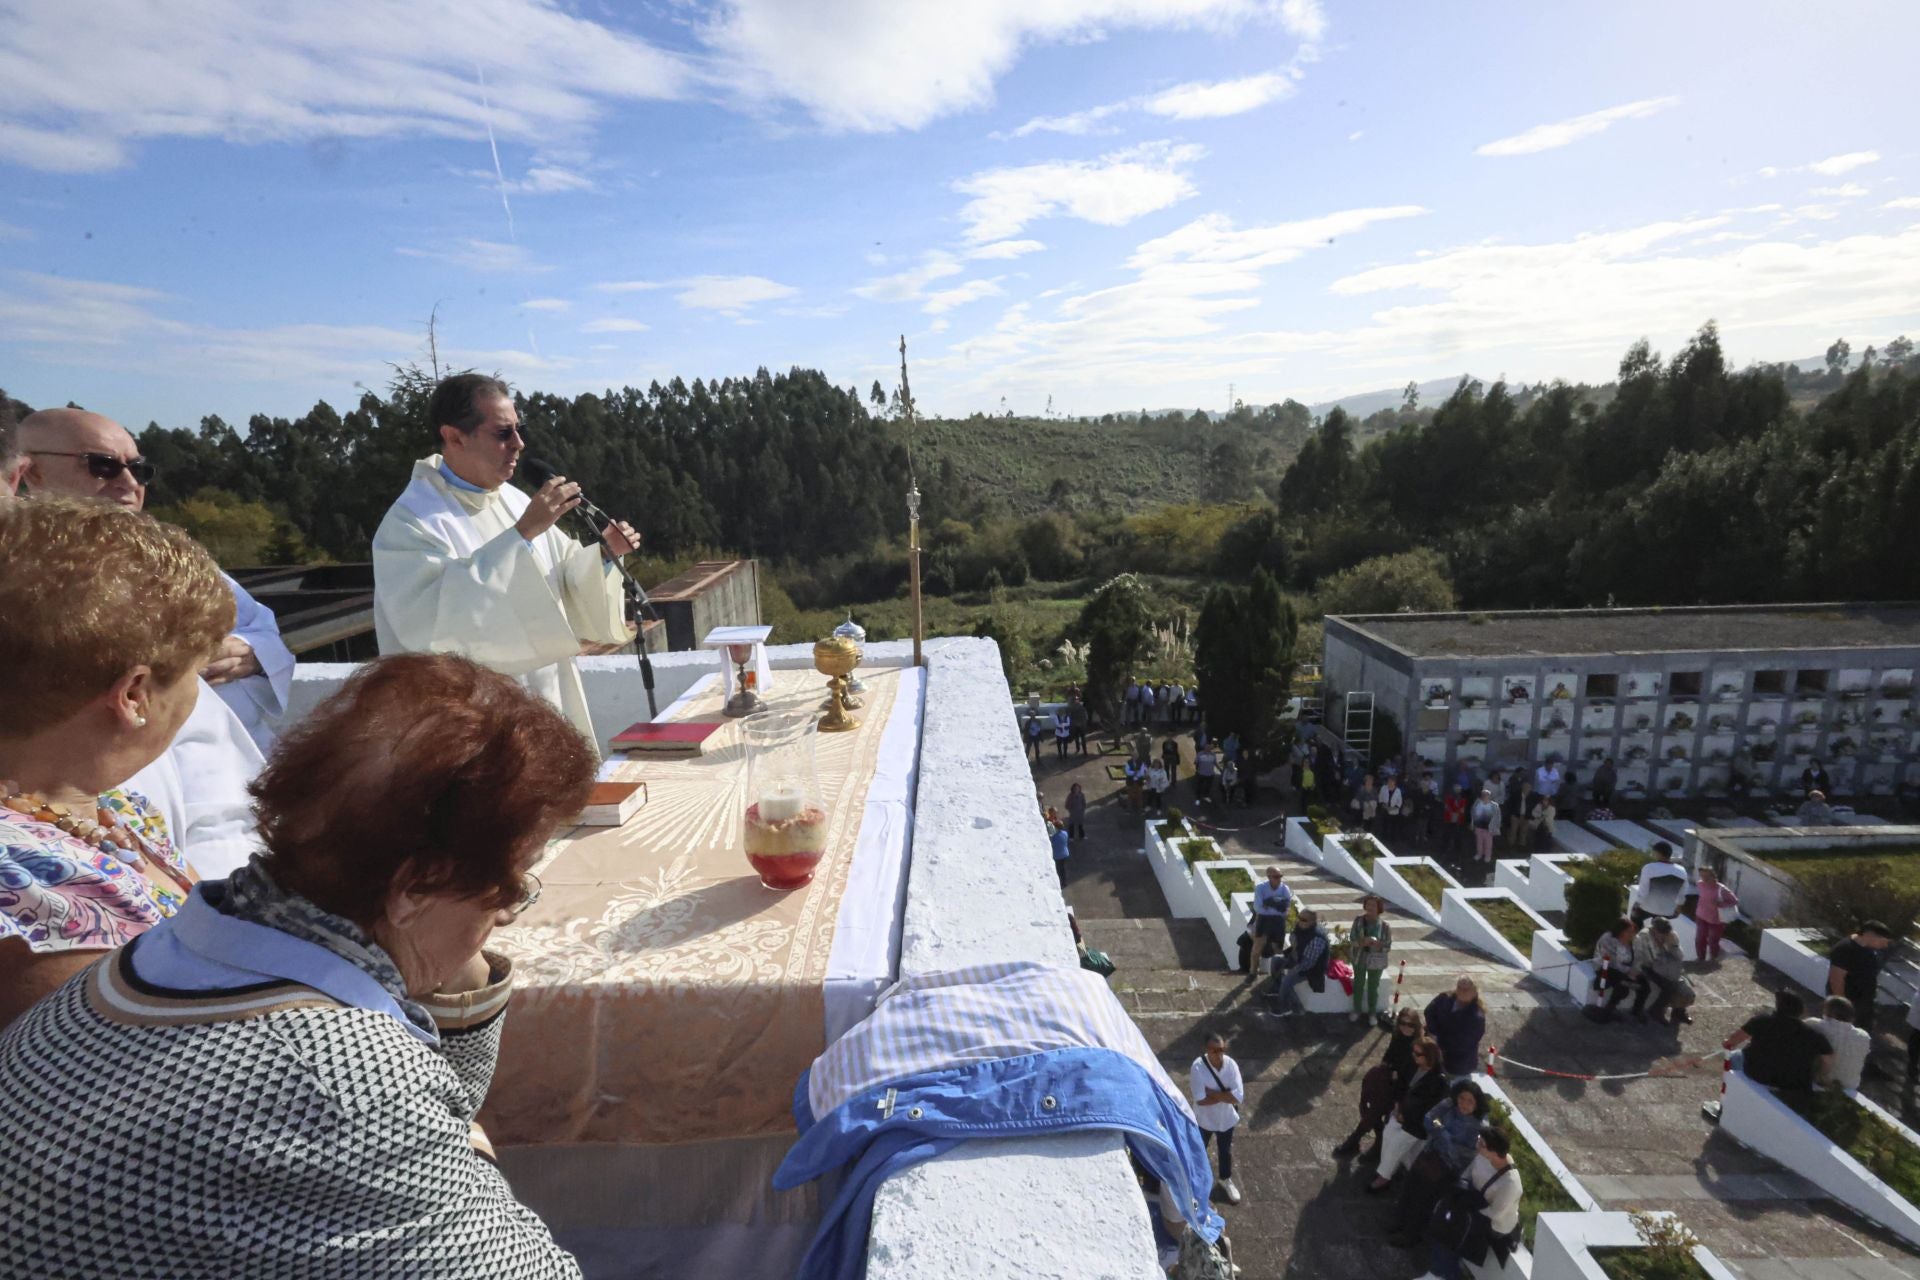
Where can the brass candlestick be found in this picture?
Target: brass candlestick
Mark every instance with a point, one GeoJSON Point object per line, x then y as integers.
{"type": "Point", "coordinates": [836, 658]}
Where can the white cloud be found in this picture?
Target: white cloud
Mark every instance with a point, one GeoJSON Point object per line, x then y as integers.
{"type": "Point", "coordinates": [114, 73]}
{"type": "Point", "coordinates": [1186, 285]}
{"type": "Point", "coordinates": [1546, 137]}
{"type": "Point", "coordinates": [972, 291]}
{"type": "Point", "coordinates": [1845, 191]}
{"type": "Point", "coordinates": [1834, 166]}
{"type": "Point", "coordinates": [904, 286]}
{"type": "Point", "coordinates": [1304, 19]}
{"type": "Point", "coordinates": [1903, 202]}
{"type": "Point", "coordinates": [479, 255]}
{"type": "Point", "coordinates": [10, 232]}
{"type": "Point", "coordinates": [729, 295]}
{"type": "Point", "coordinates": [1110, 191]}
{"type": "Point", "coordinates": [90, 323]}
{"type": "Point", "coordinates": [1567, 308]}
{"type": "Point", "coordinates": [614, 324]}
{"type": "Point", "coordinates": [629, 286]}
{"type": "Point", "coordinates": [547, 179]}
{"type": "Point", "coordinates": [1074, 123]}
{"type": "Point", "coordinates": [1356, 135]}
{"type": "Point", "coordinates": [545, 304]}
{"type": "Point", "coordinates": [1006, 249]}
{"type": "Point", "coordinates": [877, 65]}
{"type": "Point", "coordinates": [1202, 100]}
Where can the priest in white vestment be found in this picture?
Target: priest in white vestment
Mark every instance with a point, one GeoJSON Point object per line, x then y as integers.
{"type": "Point", "coordinates": [464, 563]}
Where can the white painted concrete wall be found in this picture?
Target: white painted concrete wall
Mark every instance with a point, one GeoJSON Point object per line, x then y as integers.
{"type": "Point", "coordinates": [982, 887]}
{"type": "Point", "coordinates": [1752, 1116]}
{"type": "Point", "coordinates": [1563, 1245]}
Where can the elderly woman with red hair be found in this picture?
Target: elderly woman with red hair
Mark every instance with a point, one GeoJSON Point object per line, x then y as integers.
{"type": "Point", "coordinates": [283, 1077]}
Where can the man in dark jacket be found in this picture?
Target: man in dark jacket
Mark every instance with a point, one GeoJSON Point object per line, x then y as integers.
{"type": "Point", "coordinates": [1308, 958]}
{"type": "Point", "coordinates": [1854, 970]}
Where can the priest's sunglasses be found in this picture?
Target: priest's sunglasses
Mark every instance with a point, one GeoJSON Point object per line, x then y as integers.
{"type": "Point", "coordinates": [104, 466]}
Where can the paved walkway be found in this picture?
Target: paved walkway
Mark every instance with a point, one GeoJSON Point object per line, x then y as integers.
{"type": "Point", "coordinates": [1634, 1144]}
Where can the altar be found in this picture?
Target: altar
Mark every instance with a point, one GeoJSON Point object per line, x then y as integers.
{"type": "Point", "coordinates": [666, 1002]}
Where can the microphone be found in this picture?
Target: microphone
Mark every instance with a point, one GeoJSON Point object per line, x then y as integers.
{"type": "Point", "coordinates": [538, 472]}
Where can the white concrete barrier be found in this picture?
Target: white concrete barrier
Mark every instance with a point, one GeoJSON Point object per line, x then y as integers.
{"type": "Point", "coordinates": [1563, 1245]}
{"type": "Point", "coordinates": [1552, 963]}
{"type": "Point", "coordinates": [1391, 885]}
{"type": "Point", "coordinates": [1460, 917]}
{"type": "Point", "coordinates": [1751, 1115]}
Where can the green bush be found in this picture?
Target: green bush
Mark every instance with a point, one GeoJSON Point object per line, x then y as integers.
{"type": "Point", "coordinates": [1594, 905]}
{"type": "Point", "coordinates": [1199, 850]}
{"type": "Point", "coordinates": [1228, 881]}
{"type": "Point", "coordinates": [1424, 881]}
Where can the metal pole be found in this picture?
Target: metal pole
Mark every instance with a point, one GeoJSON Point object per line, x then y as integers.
{"type": "Point", "coordinates": [913, 572]}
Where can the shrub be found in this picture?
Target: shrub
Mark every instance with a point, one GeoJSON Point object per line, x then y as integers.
{"type": "Point", "coordinates": [1593, 905]}
{"type": "Point", "coordinates": [1199, 850]}
{"type": "Point", "coordinates": [1667, 1253]}
{"type": "Point", "coordinates": [1228, 881]}
{"type": "Point", "coordinates": [1837, 899]}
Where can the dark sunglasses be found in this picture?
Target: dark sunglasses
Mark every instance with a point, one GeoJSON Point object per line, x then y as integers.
{"type": "Point", "coordinates": [104, 466]}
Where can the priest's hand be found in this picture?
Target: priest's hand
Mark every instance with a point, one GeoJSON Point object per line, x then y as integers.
{"type": "Point", "coordinates": [618, 539]}
{"type": "Point", "coordinates": [235, 660]}
{"type": "Point", "coordinates": [555, 498]}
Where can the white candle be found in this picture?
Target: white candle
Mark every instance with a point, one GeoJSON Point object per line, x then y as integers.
{"type": "Point", "coordinates": [782, 801]}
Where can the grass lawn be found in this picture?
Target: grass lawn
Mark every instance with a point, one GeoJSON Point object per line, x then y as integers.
{"type": "Point", "coordinates": [1361, 849]}
{"type": "Point", "coordinates": [1645, 1264]}
{"type": "Point", "coordinates": [1229, 881]}
{"type": "Point", "coordinates": [1424, 881]}
{"type": "Point", "coordinates": [1510, 921]}
{"type": "Point", "coordinates": [1884, 1150]}
{"type": "Point", "coordinates": [1199, 850]}
{"type": "Point", "coordinates": [1904, 860]}
{"type": "Point", "coordinates": [1540, 1190]}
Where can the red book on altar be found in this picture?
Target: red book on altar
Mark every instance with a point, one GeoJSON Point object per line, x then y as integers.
{"type": "Point", "coordinates": [681, 735]}
{"type": "Point", "coordinates": [610, 804]}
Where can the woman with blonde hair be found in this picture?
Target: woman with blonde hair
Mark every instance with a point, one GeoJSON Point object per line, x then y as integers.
{"type": "Point", "coordinates": [110, 616]}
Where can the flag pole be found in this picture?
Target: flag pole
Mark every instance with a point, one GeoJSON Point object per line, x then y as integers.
{"type": "Point", "coordinates": [913, 513]}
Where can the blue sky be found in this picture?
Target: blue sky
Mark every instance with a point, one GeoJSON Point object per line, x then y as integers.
{"type": "Point", "coordinates": [238, 206]}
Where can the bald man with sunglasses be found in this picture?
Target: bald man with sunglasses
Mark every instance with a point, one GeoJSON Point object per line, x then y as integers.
{"type": "Point", "coordinates": [86, 455]}
{"type": "Point", "coordinates": [200, 784]}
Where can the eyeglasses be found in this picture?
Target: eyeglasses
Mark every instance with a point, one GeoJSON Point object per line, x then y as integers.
{"type": "Point", "coordinates": [104, 466]}
{"type": "Point", "coordinates": [530, 887]}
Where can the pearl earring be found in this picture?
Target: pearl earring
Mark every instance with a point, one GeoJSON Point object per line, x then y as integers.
{"type": "Point", "coordinates": [139, 722]}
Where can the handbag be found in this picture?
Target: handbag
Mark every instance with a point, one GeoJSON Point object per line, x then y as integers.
{"type": "Point", "coordinates": [1376, 1093]}
{"type": "Point", "coordinates": [1457, 1223]}
{"type": "Point", "coordinates": [1096, 961]}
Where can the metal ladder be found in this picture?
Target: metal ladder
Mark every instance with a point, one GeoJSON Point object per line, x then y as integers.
{"type": "Point", "coordinates": [1358, 730]}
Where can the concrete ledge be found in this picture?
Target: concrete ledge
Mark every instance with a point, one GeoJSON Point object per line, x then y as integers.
{"type": "Point", "coordinates": [982, 888]}
{"type": "Point", "coordinates": [1752, 1116]}
{"type": "Point", "coordinates": [1787, 951]}
{"type": "Point", "coordinates": [1558, 967]}
{"type": "Point", "coordinates": [1547, 880]}
{"type": "Point", "coordinates": [1564, 1244]}
{"type": "Point", "coordinates": [1460, 917]}
{"type": "Point", "coordinates": [1512, 875]}
{"type": "Point", "coordinates": [1391, 885]}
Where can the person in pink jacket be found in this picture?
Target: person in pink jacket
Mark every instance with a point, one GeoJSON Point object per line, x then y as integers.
{"type": "Point", "coordinates": [1710, 915]}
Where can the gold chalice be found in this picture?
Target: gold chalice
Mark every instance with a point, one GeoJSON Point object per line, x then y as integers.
{"type": "Point", "coordinates": [836, 658]}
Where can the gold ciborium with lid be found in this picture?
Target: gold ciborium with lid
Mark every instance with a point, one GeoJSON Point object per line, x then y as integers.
{"type": "Point", "coordinates": [836, 657]}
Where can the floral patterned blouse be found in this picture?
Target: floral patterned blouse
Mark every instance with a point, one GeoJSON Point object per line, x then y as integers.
{"type": "Point", "coordinates": [62, 894]}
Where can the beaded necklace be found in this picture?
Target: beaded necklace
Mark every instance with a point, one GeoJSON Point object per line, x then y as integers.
{"type": "Point", "coordinates": [106, 831]}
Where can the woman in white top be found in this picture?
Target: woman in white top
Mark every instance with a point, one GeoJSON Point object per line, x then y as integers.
{"type": "Point", "coordinates": [1492, 1175]}
{"type": "Point", "coordinates": [1157, 784]}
